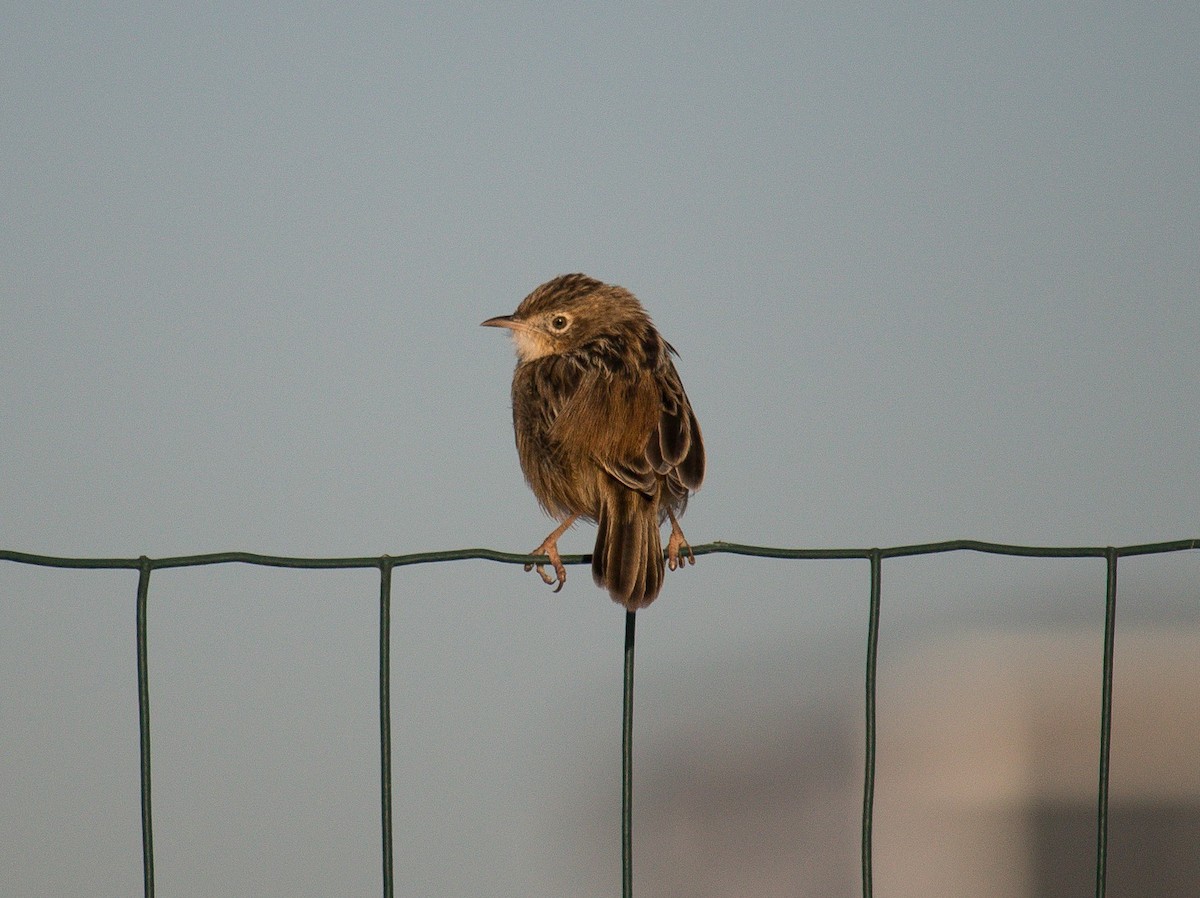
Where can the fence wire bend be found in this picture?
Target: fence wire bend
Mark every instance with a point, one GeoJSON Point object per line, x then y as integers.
{"type": "Point", "coordinates": [386, 563]}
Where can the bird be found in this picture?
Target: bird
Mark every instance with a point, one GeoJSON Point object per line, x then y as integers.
{"type": "Point", "coordinates": [604, 431]}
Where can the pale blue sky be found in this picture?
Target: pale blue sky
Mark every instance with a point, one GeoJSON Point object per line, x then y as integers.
{"type": "Point", "coordinates": [932, 273]}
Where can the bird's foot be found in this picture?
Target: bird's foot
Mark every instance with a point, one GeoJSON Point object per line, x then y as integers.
{"type": "Point", "coordinates": [676, 542]}
{"type": "Point", "coordinates": [550, 549]}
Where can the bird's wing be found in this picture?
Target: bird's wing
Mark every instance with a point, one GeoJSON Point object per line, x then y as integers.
{"type": "Point", "coordinates": [638, 426]}
{"type": "Point", "coordinates": [634, 473]}
{"type": "Point", "coordinates": [676, 449]}
{"type": "Point", "coordinates": [607, 418]}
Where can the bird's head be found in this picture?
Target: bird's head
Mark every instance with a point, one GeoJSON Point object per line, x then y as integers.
{"type": "Point", "coordinates": [569, 312]}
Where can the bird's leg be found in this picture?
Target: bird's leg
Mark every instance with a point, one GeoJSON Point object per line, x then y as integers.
{"type": "Point", "coordinates": [676, 542]}
{"type": "Point", "coordinates": [549, 547]}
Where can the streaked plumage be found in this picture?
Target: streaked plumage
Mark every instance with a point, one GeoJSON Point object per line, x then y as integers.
{"type": "Point", "coordinates": [604, 429]}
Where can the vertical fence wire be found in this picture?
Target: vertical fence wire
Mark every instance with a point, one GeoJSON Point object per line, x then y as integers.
{"type": "Point", "coordinates": [868, 812]}
{"type": "Point", "coordinates": [143, 671]}
{"type": "Point", "coordinates": [1106, 690]}
{"type": "Point", "coordinates": [627, 760]}
{"type": "Point", "coordinates": [385, 720]}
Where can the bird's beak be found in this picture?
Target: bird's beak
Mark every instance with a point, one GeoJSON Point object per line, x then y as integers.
{"type": "Point", "coordinates": [530, 341]}
{"type": "Point", "coordinates": [501, 321]}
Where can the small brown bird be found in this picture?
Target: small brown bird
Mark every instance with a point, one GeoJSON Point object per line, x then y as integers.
{"type": "Point", "coordinates": [604, 430]}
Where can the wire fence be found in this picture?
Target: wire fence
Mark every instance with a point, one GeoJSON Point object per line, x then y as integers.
{"type": "Point", "coordinates": [385, 564]}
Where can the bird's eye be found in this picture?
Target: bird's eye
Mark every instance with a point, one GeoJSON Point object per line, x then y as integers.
{"type": "Point", "coordinates": [559, 322]}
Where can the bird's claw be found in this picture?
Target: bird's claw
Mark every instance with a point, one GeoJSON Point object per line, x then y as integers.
{"type": "Point", "coordinates": [560, 572]}
{"type": "Point", "coordinates": [675, 561]}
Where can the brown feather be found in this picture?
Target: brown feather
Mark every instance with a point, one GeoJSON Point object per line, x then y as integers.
{"type": "Point", "coordinates": [604, 428]}
{"type": "Point", "coordinates": [627, 559]}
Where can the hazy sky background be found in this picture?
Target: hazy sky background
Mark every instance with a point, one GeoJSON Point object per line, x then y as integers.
{"type": "Point", "coordinates": [931, 270]}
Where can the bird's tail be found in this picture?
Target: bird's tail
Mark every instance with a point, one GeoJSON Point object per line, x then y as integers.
{"type": "Point", "coordinates": [627, 560]}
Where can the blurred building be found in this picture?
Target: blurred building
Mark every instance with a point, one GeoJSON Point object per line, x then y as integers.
{"type": "Point", "coordinates": [986, 782]}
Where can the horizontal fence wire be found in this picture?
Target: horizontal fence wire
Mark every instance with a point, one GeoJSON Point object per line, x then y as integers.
{"type": "Point", "coordinates": [386, 563]}
{"type": "Point", "coordinates": [713, 548]}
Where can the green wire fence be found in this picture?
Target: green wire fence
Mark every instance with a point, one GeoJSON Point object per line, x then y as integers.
{"type": "Point", "coordinates": [386, 563]}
